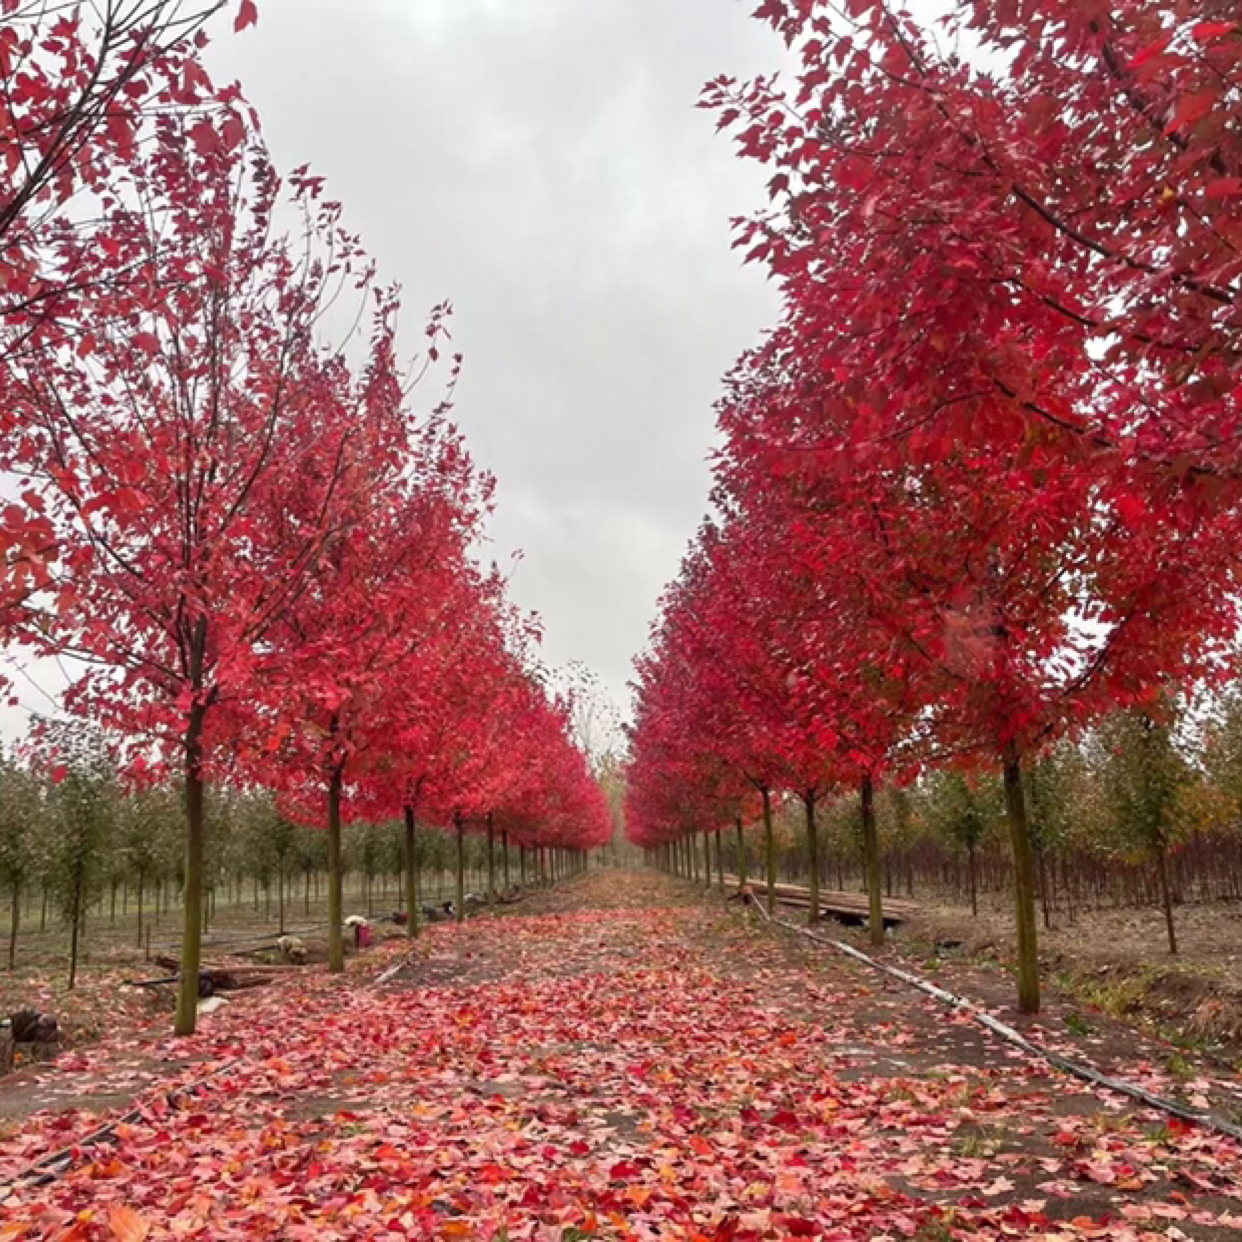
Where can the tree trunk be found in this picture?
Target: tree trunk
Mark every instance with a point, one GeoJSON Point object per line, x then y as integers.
{"type": "Point", "coordinates": [192, 914]}
{"type": "Point", "coordinates": [76, 930]}
{"type": "Point", "coordinates": [336, 896]}
{"type": "Point", "coordinates": [15, 920]}
{"type": "Point", "coordinates": [719, 861]}
{"type": "Point", "coordinates": [491, 861]}
{"type": "Point", "coordinates": [871, 861]}
{"type": "Point", "coordinates": [1042, 859]}
{"type": "Point", "coordinates": [741, 853]}
{"type": "Point", "coordinates": [1023, 883]}
{"type": "Point", "coordinates": [461, 867]}
{"type": "Point", "coordinates": [1166, 895]}
{"type": "Point", "coordinates": [280, 892]}
{"type": "Point", "coordinates": [411, 874]}
{"type": "Point", "coordinates": [504, 855]}
{"type": "Point", "coordinates": [972, 851]}
{"type": "Point", "coordinates": [812, 846]}
{"type": "Point", "coordinates": [522, 864]}
{"type": "Point", "coordinates": [769, 847]}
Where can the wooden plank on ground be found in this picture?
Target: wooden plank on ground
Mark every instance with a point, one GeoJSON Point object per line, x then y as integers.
{"type": "Point", "coordinates": [896, 910]}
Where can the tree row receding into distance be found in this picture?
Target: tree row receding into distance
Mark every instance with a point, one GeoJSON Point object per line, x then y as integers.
{"type": "Point", "coordinates": [979, 487]}
{"type": "Point", "coordinates": [222, 512]}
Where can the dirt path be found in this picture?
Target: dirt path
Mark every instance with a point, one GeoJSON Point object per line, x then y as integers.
{"type": "Point", "coordinates": [624, 1060]}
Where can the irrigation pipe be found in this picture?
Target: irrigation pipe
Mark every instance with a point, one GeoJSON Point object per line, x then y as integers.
{"type": "Point", "coordinates": [48, 1168]}
{"type": "Point", "coordinates": [56, 1164]}
{"type": "Point", "coordinates": [1002, 1030]}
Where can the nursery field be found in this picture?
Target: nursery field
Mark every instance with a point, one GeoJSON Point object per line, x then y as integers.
{"type": "Point", "coordinates": [623, 1057]}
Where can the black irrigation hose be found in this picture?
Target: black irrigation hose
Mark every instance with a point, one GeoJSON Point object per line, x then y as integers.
{"type": "Point", "coordinates": [55, 1165]}
{"type": "Point", "coordinates": [991, 1023]}
{"type": "Point", "coordinates": [50, 1167]}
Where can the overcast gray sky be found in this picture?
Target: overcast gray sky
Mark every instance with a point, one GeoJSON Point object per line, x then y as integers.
{"type": "Point", "coordinates": [540, 163]}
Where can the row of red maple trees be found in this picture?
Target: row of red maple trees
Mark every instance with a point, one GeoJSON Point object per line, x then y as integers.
{"type": "Point", "coordinates": [980, 485]}
{"type": "Point", "coordinates": [221, 508]}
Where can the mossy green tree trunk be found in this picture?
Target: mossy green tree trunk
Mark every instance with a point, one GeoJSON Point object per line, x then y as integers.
{"type": "Point", "coordinates": [411, 873]}
{"type": "Point", "coordinates": [336, 898]}
{"type": "Point", "coordinates": [769, 846]}
{"type": "Point", "coordinates": [15, 922]}
{"type": "Point", "coordinates": [1023, 882]}
{"type": "Point", "coordinates": [491, 861]}
{"type": "Point", "coordinates": [812, 847]}
{"type": "Point", "coordinates": [871, 861]}
{"type": "Point", "coordinates": [461, 866]}
{"type": "Point", "coordinates": [192, 915]}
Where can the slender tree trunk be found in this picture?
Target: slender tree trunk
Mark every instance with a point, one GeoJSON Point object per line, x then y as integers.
{"type": "Point", "coordinates": [719, 862]}
{"type": "Point", "coordinates": [306, 883]}
{"type": "Point", "coordinates": [504, 854]}
{"type": "Point", "coordinates": [707, 858]}
{"type": "Point", "coordinates": [972, 851]}
{"type": "Point", "coordinates": [1166, 895]}
{"type": "Point", "coordinates": [812, 846]}
{"type": "Point", "coordinates": [411, 874]}
{"type": "Point", "coordinates": [522, 864]}
{"type": "Point", "coordinates": [461, 868]}
{"type": "Point", "coordinates": [1024, 883]}
{"type": "Point", "coordinates": [336, 895]}
{"type": "Point", "coordinates": [769, 847]}
{"type": "Point", "coordinates": [491, 861]}
{"type": "Point", "coordinates": [15, 920]}
{"type": "Point", "coordinates": [871, 861]}
{"type": "Point", "coordinates": [141, 887]}
{"type": "Point", "coordinates": [112, 911]}
{"type": "Point", "coordinates": [192, 914]}
{"type": "Point", "coordinates": [76, 929]}
{"type": "Point", "coordinates": [1041, 858]}
{"type": "Point", "coordinates": [280, 892]}
{"type": "Point", "coordinates": [741, 853]}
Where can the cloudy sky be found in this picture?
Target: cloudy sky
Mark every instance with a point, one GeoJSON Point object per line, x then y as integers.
{"type": "Point", "coordinates": [541, 164]}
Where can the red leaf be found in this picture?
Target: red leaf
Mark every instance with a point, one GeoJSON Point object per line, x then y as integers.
{"type": "Point", "coordinates": [1205, 32]}
{"type": "Point", "coordinates": [247, 15]}
{"type": "Point", "coordinates": [1151, 51]}
{"type": "Point", "coordinates": [127, 1226]}
{"type": "Point", "coordinates": [1191, 108]}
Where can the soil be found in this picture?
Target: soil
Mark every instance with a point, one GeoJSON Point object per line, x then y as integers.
{"type": "Point", "coordinates": [1113, 964]}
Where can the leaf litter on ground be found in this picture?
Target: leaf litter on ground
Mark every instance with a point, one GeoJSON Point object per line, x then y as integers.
{"type": "Point", "coordinates": [614, 1060]}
